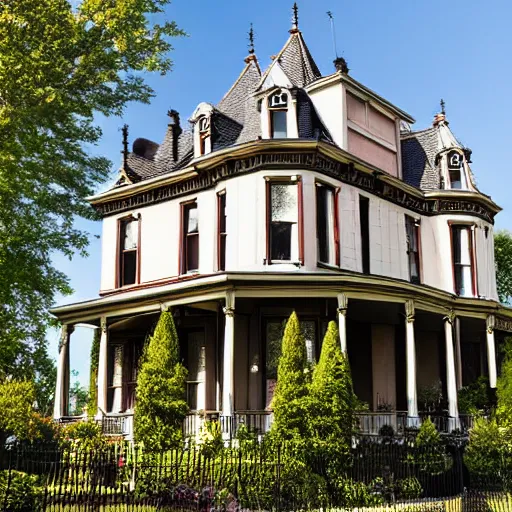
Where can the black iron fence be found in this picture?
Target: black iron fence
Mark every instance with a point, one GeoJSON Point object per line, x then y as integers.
{"type": "Point", "coordinates": [379, 473]}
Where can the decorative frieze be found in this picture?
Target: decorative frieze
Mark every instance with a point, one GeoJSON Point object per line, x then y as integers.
{"type": "Point", "coordinates": [502, 324]}
{"type": "Point", "coordinates": [293, 160]}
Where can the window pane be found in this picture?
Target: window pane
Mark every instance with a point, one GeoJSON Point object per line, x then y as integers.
{"type": "Point", "coordinates": [281, 241]}
{"type": "Point", "coordinates": [192, 252]}
{"type": "Point", "coordinates": [325, 225]}
{"type": "Point", "coordinates": [284, 202]}
{"type": "Point", "coordinates": [129, 267]}
{"type": "Point", "coordinates": [278, 124]}
{"type": "Point", "coordinates": [192, 219]}
{"type": "Point", "coordinates": [465, 253]}
{"type": "Point", "coordinates": [455, 181]}
{"type": "Point", "coordinates": [364, 205]}
{"type": "Point", "coordinates": [130, 234]}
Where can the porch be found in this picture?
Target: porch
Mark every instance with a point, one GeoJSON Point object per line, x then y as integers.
{"type": "Point", "coordinates": [397, 349]}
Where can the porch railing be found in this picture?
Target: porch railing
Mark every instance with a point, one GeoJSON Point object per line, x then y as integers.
{"type": "Point", "coordinates": [372, 422]}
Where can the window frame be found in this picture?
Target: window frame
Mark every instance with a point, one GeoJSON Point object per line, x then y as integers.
{"type": "Point", "coordinates": [120, 251]}
{"type": "Point", "coordinates": [271, 110]}
{"type": "Point", "coordinates": [336, 227]}
{"type": "Point", "coordinates": [184, 207]}
{"type": "Point", "coordinates": [461, 170]}
{"type": "Point", "coordinates": [221, 235]}
{"type": "Point", "coordinates": [365, 255]}
{"type": "Point", "coordinates": [284, 180]}
{"type": "Point", "coordinates": [470, 227]}
{"type": "Point", "coordinates": [417, 231]}
{"type": "Point", "coordinates": [204, 134]}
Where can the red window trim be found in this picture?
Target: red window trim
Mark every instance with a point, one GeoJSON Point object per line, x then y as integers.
{"type": "Point", "coordinates": [470, 226]}
{"type": "Point", "coordinates": [119, 266]}
{"type": "Point", "coordinates": [300, 204]}
{"type": "Point", "coordinates": [182, 254]}
{"type": "Point", "coordinates": [336, 214]}
{"type": "Point", "coordinates": [221, 236]}
{"type": "Point", "coordinates": [419, 263]}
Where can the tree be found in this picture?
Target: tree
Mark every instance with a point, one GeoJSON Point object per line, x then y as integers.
{"type": "Point", "coordinates": [92, 404]}
{"type": "Point", "coordinates": [16, 403]}
{"type": "Point", "coordinates": [503, 261]}
{"type": "Point", "coordinates": [332, 402]}
{"type": "Point", "coordinates": [78, 397]}
{"type": "Point", "coordinates": [62, 62]}
{"type": "Point", "coordinates": [161, 407]}
{"type": "Point", "coordinates": [289, 401]}
{"type": "Point", "coordinates": [504, 387]}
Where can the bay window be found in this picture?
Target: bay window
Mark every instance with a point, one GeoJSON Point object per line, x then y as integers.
{"type": "Point", "coordinates": [128, 243]}
{"type": "Point", "coordinates": [327, 225]}
{"type": "Point", "coordinates": [284, 221]}
{"type": "Point", "coordinates": [190, 238]}
{"type": "Point", "coordinates": [462, 259]}
{"type": "Point", "coordinates": [413, 249]}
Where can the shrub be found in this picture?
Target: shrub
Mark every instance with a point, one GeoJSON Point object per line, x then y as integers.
{"type": "Point", "coordinates": [210, 439]}
{"type": "Point", "coordinates": [288, 403]}
{"type": "Point", "coordinates": [92, 404]}
{"type": "Point", "coordinates": [475, 398]}
{"type": "Point", "coordinates": [409, 488]}
{"type": "Point", "coordinates": [504, 386]}
{"type": "Point", "coordinates": [332, 404]}
{"type": "Point", "coordinates": [18, 491]}
{"type": "Point", "coordinates": [430, 452]}
{"type": "Point", "coordinates": [430, 397]}
{"type": "Point", "coordinates": [161, 406]}
{"type": "Point", "coordinates": [86, 435]}
{"type": "Point", "coordinates": [387, 431]}
{"type": "Point", "coordinates": [357, 494]}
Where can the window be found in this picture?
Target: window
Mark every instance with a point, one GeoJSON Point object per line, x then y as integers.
{"type": "Point", "coordinates": [278, 110]}
{"type": "Point", "coordinates": [462, 247]}
{"type": "Point", "coordinates": [196, 367]}
{"type": "Point", "coordinates": [284, 222]}
{"type": "Point", "coordinates": [129, 251]}
{"type": "Point", "coordinates": [413, 250]}
{"type": "Point", "coordinates": [456, 172]}
{"type": "Point", "coordinates": [364, 220]}
{"type": "Point", "coordinates": [190, 240]}
{"type": "Point", "coordinates": [221, 227]}
{"type": "Point", "coordinates": [204, 136]}
{"type": "Point", "coordinates": [326, 225]}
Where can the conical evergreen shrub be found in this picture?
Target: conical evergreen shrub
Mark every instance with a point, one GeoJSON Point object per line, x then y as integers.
{"type": "Point", "coordinates": [288, 403]}
{"type": "Point", "coordinates": [161, 406]}
{"type": "Point", "coordinates": [332, 402]}
{"type": "Point", "coordinates": [92, 404]}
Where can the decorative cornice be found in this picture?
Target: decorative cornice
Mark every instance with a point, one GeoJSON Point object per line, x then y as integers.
{"type": "Point", "coordinates": [502, 324]}
{"type": "Point", "coordinates": [312, 160]}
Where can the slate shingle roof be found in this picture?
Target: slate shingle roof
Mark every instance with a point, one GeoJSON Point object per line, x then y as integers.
{"type": "Point", "coordinates": [297, 62]}
{"type": "Point", "coordinates": [419, 150]}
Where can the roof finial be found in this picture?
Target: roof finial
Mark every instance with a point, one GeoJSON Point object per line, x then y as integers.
{"type": "Point", "coordinates": [251, 41]}
{"type": "Point", "coordinates": [295, 19]}
{"type": "Point", "coordinates": [125, 146]}
{"type": "Point", "coordinates": [443, 105]}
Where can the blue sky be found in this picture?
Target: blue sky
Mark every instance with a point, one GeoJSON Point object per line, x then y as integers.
{"type": "Point", "coordinates": [410, 52]}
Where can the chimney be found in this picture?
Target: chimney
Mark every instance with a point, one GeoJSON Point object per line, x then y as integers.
{"type": "Point", "coordinates": [341, 65]}
{"type": "Point", "coordinates": [175, 129]}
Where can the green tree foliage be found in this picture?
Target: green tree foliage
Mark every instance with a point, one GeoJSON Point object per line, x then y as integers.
{"type": "Point", "coordinates": [503, 260]}
{"type": "Point", "coordinates": [289, 401]}
{"type": "Point", "coordinates": [62, 62]}
{"type": "Point", "coordinates": [16, 403]}
{"type": "Point", "coordinates": [92, 404]}
{"type": "Point", "coordinates": [332, 401]}
{"type": "Point", "coordinates": [504, 387]}
{"type": "Point", "coordinates": [430, 451]}
{"type": "Point", "coordinates": [78, 397]}
{"type": "Point", "coordinates": [161, 406]}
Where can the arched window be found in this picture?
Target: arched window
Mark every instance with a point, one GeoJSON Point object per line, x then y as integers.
{"type": "Point", "coordinates": [278, 109]}
{"type": "Point", "coordinates": [204, 135]}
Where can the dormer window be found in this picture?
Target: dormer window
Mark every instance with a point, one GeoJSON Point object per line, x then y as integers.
{"type": "Point", "coordinates": [204, 136]}
{"type": "Point", "coordinates": [278, 110]}
{"type": "Point", "coordinates": [456, 172]}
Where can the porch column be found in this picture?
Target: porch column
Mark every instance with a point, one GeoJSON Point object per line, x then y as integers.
{"type": "Point", "coordinates": [228, 383]}
{"type": "Point", "coordinates": [102, 369]}
{"type": "Point", "coordinates": [117, 404]}
{"type": "Point", "coordinates": [451, 380]}
{"type": "Point", "coordinates": [458, 354]}
{"type": "Point", "coordinates": [491, 351]}
{"type": "Point", "coordinates": [342, 320]}
{"type": "Point", "coordinates": [61, 402]}
{"type": "Point", "coordinates": [410, 356]}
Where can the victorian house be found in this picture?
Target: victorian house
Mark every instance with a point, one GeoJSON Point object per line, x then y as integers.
{"type": "Point", "coordinates": [304, 192]}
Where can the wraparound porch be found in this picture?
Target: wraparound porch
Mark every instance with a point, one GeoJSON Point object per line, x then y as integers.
{"type": "Point", "coordinates": [229, 340]}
